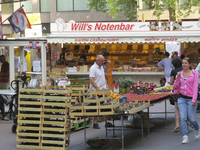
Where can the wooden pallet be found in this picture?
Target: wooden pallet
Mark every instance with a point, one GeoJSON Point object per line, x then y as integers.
{"type": "Point", "coordinates": [43, 119]}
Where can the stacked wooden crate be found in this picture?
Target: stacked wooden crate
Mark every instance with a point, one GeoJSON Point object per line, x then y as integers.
{"type": "Point", "coordinates": [29, 118]}
{"type": "Point", "coordinates": [55, 131]}
{"type": "Point", "coordinates": [43, 119]}
{"type": "Point", "coordinates": [94, 105]}
{"type": "Point", "coordinates": [79, 92]}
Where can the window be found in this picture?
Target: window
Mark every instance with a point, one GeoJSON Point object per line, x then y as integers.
{"type": "Point", "coordinates": [27, 6]}
{"type": "Point", "coordinates": [7, 8]}
{"type": "Point", "coordinates": [45, 5]}
{"type": "Point", "coordinates": [72, 5]}
{"type": "Point", "coordinates": [64, 5]}
{"type": "Point", "coordinates": [181, 2]}
{"type": "Point", "coordinates": [143, 5]}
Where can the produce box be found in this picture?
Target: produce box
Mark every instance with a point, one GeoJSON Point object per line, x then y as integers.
{"type": "Point", "coordinates": [80, 81]}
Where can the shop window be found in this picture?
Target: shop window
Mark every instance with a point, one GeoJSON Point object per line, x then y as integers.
{"type": "Point", "coordinates": [4, 70]}
{"type": "Point", "coordinates": [7, 8]}
{"type": "Point", "coordinates": [44, 5]}
{"type": "Point", "coordinates": [27, 6]}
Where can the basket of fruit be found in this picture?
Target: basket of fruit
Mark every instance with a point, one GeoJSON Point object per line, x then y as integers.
{"type": "Point", "coordinates": [97, 143]}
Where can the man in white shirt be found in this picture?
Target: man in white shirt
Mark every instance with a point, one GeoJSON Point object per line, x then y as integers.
{"type": "Point", "coordinates": [25, 63]}
{"type": "Point", "coordinates": [98, 82]}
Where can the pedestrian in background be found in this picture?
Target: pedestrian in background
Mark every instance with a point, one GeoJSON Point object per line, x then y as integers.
{"type": "Point", "coordinates": [177, 63]}
{"type": "Point", "coordinates": [186, 85]}
{"type": "Point", "coordinates": [167, 63]}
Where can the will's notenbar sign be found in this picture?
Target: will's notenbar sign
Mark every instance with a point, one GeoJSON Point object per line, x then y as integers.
{"type": "Point", "coordinates": [101, 27]}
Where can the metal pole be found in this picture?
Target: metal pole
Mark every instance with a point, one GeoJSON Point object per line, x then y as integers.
{"type": "Point", "coordinates": [84, 133]}
{"type": "Point", "coordinates": [122, 132]}
{"type": "Point", "coordinates": [148, 121]}
{"type": "Point", "coordinates": [142, 126]}
{"type": "Point", "coordinates": [113, 128]}
{"type": "Point", "coordinates": [165, 113]}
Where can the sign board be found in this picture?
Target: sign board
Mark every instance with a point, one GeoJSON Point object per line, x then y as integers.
{"type": "Point", "coordinates": [36, 65]}
{"type": "Point", "coordinates": [36, 31]}
{"type": "Point", "coordinates": [34, 18]}
{"type": "Point", "coordinates": [155, 26]}
{"type": "Point", "coordinates": [55, 52]}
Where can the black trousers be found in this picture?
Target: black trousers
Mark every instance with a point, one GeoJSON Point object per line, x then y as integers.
{"type": "Point", "coordinates": [2, 101]}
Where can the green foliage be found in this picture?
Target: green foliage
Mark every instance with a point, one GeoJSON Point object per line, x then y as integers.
{"type": "Point", "coordinates": [125, 82]}
{"type": "Point", "coordinates": [129, 7]}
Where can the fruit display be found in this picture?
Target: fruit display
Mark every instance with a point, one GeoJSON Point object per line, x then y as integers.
{"type": "Point", "coordinates": [165, 89]}
{"type": "Point", "coordinates": [146, 97]}
{"type": "Point", "coordinates": [124, 85]}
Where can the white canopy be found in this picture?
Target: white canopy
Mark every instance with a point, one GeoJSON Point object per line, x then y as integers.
{"type": "Point", "coordinates": [126, 37]}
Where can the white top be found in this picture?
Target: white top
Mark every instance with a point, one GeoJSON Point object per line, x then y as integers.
{"type": "Point", "coordinates": [99, 76]}
{"type": "Point", "coordinates": [25, 64]}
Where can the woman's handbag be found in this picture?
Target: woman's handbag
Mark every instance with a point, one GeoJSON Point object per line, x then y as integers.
{"type": "Point", "coordinates": [173, 98]}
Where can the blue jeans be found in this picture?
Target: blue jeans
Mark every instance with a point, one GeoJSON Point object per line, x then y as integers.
{"type": "Point", "coordinates": [187, 111]}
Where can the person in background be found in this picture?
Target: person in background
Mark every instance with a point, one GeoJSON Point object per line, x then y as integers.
{"type": "Point", "coordinates": [25, 63]}
{"type": "Point", "coordinates": [98, 82]}
{"type": "Point", "coordinates": [177, 63]}
{"type": "Point", "coordinates": [62, 56]}
{"type": "Point", "coordinates": [3, 101]}
{"type": "Point", "coordinates": [182, 56]}
{"type": "Point", "coordinates": [186, 85]}
{"type": "Point", "coordinates": [167, 63]}
{"type": "Point", "coordinates": [174, 54]}
{"type": "Point", "coordinates": [4, 74]}
{"type": "Point", "coordinates": [4, 79]}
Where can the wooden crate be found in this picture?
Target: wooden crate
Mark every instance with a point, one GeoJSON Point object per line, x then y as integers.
{"type": "Point", "coordinates": [109, 108]}
{"type": "Point", "coordinates": [75, 109]}
{"type": "Point", "coordinates": [29, 121]}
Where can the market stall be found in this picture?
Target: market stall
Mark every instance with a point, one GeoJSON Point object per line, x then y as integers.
{"type": "Point", "coordinates": [12, 49]}
{"type": "Point", "coordinates": [136, 47]}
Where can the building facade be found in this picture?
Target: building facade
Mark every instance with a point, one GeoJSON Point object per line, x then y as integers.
{"type": "Point", "coordinates": [49, 10]}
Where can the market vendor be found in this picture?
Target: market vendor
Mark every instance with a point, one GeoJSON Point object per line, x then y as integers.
{"type": "Point", "coordinates": [82, 58]}
{"type": "Point", "coordinates": [62, 56]}
{"type": "Point", "coordinates": [98, 82]}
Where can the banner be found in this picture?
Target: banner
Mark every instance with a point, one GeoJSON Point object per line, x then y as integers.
{"type": "Point", "coordinates": [19, 21]}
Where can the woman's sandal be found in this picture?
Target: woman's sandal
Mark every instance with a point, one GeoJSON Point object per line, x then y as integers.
{"type": "Point", "coordinates": [175, 129]}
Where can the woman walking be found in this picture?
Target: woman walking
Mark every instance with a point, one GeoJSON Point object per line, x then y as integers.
{"type": "Point", "coordinates": [177, 63]}
{"type": "Point", "coordinates": [186, 85]}
{"type": "Point", "coordinates": [167, 63]}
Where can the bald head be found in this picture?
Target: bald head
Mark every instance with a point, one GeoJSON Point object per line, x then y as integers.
{"type": "Point", "coordinates": [100, 60]}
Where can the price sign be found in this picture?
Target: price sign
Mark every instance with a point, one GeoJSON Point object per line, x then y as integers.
{"type": "Point", "coordinates": [55, 52]}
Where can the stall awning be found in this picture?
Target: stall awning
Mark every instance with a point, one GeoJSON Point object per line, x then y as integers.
{"type": "Point", "coordinates": [125, 37]}
{"type": "Point", "coordinates": [124, 32]}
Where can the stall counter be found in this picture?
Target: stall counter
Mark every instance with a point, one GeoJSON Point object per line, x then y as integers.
{"type": "Point", "coordinates": [138, 77]}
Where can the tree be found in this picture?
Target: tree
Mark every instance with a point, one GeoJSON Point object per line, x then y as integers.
{"type": "Point", "coordinates": [129, 7]}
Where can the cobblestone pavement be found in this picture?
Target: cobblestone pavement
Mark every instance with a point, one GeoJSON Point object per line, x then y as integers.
{"type": "Point", "coordinates": [160, 137]}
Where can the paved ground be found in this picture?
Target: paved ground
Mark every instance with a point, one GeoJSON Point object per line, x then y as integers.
{"type": "Point", "coordinates": [160, 138]}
